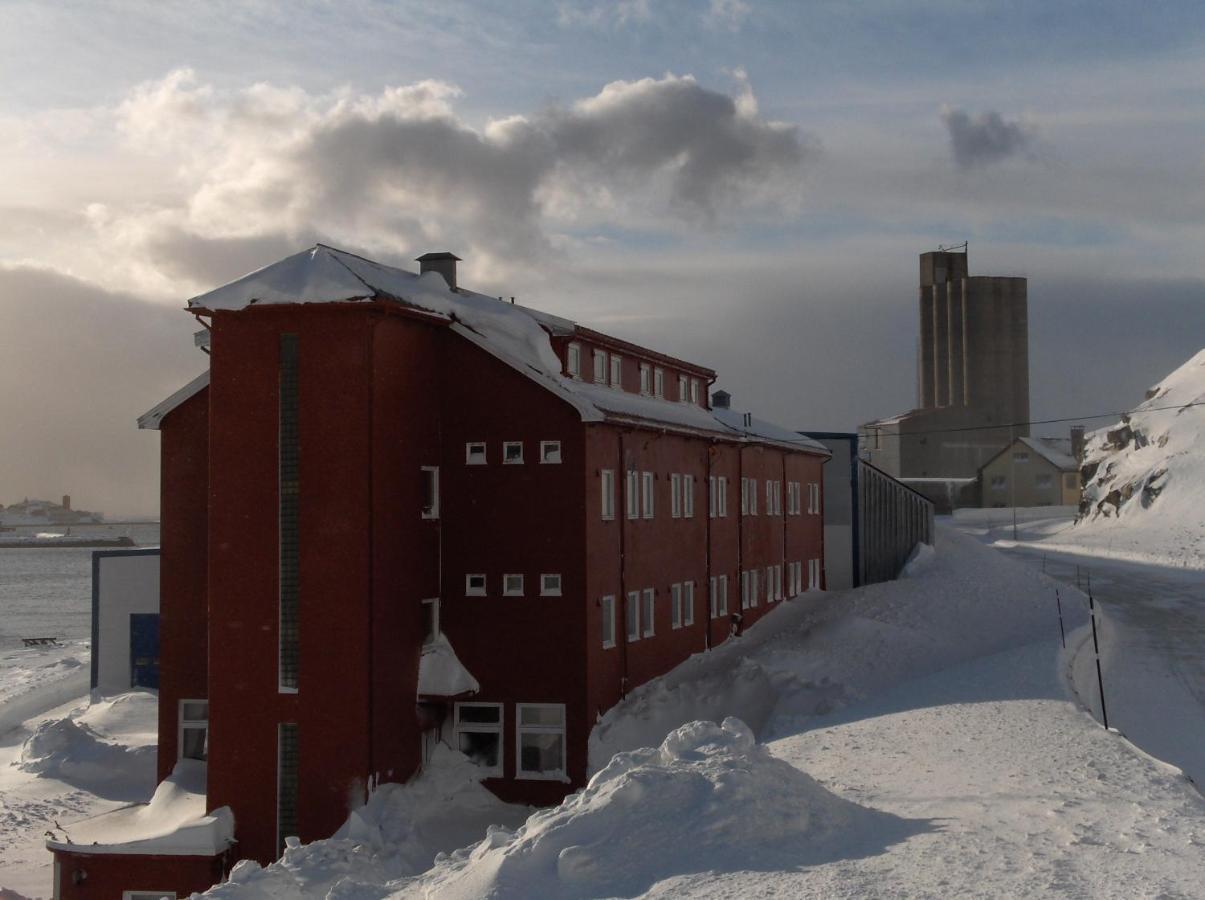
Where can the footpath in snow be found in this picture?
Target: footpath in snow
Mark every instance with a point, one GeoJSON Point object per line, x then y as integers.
{"type": "Point", "coordinates": [917, 738]}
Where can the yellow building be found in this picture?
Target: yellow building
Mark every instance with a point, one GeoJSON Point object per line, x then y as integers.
{"type": "Point", "coordinates": [1030, 472]}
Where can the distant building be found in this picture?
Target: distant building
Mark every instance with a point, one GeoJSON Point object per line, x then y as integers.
{"type": "Point", "coordinates": [397, 512]}
{"type": "Point", "coordinates": [972, 382]}
{"type": "Point", "coordinates": [1031, 472]}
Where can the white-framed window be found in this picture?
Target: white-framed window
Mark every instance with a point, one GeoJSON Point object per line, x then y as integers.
{"type": "Point", "coordinates": [430, 609]}
{"type": "Point", "coordinates": [753, 496]}
{"type": "Point", "coordinates": [790, 498]}
{"type": "Point", "coordinates": [675, 605]}
{"type": "Point", "coordinates": [769, 584]}
{"type": "Point", "coordinates": [688, 603]}
{"type": "Point", "coordinates": [143, 895]}
{"type": "Point", "coordinates": [573, 360]}
{"type": "Point", "coordinates": [813, 498]}
{"type": "Point", "coordinates": [713, 596]}
{"type": "Point", "coordinates": [550, 585]}
{"type": "Point", "coordinates": [723, 605]}
{"type": "Point", "coordinates": [659, 383]}
{"type": "Point", "coordinates": [512, 585]}
{"type": "Point", "coordinates": [600, 366]}
{"type": "Point", "coordinates": [744, 496]}
{"type": "Point", "coordinates": [478, 728]}
{"type": "Point", "coordinates": [647, 607]}
{"type": "Point", "coordinates": [675, 496]}
{"type": "Point", "coordinates": [633, 494]}
{"type": "Point", "coordinates": [646, 493]}
{"type": "Point", "coordinates": [745, 590]}
{"type": "Point", "coordinates": [769, 497]}
{"type": "Point", "coordinates": [540, 741]}
{"type": "Point", "coordinates": [474, 453]}
{"type": "Point", "coordinates": [606, 483]}
{"type": "Point", "coordinates": [430, 492]}
{"type": "Point", "coordinates": [694, 391]}
{"type": "Point", "coordinates": [616, 371]}
{"type": "Point", "coordinates": [512, 453]}
{"type": "Point", "coordinates": [683, 389]}
{"type": "Point", "coordinates": [778, 498]}
{"type": "Point", "coordinates": [688, 496]}
{"type": "Point", "coordinates": [999, 482]}
{"type": "Point", "coordinates": [607, 608]}
{"type": "Point", "coordinates": [711, 502]}
{"type": "Point", "coordinates": [632, 616]}
{"type": "Point", "coordinates": [813, 574]}
{"type": "Point", "coordinates": [550, 452]}
{"type": "Point", "coordinates": [646, 379]}
{"type": "Point", "coordinates": [192, 739]}
{"type": "Point", "coordinates": [722, 496]}
{"type": "Point", "coordinates": [474, 585]}
{"type": "Point", "coordinates": [778, 582]}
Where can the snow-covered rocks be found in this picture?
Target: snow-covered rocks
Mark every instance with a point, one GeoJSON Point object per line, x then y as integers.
{"type": "Point", "coordinates": [1145, 476]}
{"type": "Point", "coordinates": [709, 798]}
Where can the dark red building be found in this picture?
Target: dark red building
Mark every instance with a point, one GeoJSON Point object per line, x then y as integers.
{"type": "Point", "coordinates": [397, 512]}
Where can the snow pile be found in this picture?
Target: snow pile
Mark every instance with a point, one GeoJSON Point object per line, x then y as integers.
{"type": "Point", "coordinates": [441, 673]}
{"type": "Point", "coordinates": [76, 750]}
{"type": "Point", "coordinates": [174, 821]}
{"type": "Point", "coordinates": [1144, 492]}
{"type": "Point", "coordinates": [397, 833]}
{"type": "Point", "coordinates": [709, 798]}
{"type": "Point", "coordinates": [36, 679]}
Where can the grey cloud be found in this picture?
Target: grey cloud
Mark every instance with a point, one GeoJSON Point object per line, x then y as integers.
{"type": "Point", "coordinates": [985, 138]}
{"type": "Point", "coordinates": [80, 365]}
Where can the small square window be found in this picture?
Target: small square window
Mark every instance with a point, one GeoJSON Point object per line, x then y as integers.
{"type": "Point", "coordinates": [512, 453]}
{"type": "Point", "coordinates": [512, 585]}
{"type": "Point", "coordinates": [474, 453]}
{"type": "Point", "coordinates": [474, 585]}
{"type": "Point", "coordinates": [550, 451]}
{"type": "Point", "coordinates": [550, 585]}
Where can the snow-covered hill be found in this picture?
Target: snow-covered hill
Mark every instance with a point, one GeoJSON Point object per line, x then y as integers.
{"type": "Point", "coordinates": [1144, 495]}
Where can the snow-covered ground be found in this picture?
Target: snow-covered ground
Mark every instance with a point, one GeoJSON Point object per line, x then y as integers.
{"type": "Point", "coordinates": [916, 738]}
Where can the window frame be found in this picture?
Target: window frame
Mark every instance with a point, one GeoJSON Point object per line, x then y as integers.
{"type": "Point", "coordinates": [632, 494]}
{"type": "Point", "coordinates": [607, 608]}
{"type": "Point", "coordinates": [688, 496]}
{"type": "Point", "coordinates": [694, 391]}
{"type": "Point", "coordinates": [675, 605]}
{"type": "Point", "coordinates": [560, 774]}
{"type": "Point", "coordinates": [648, 489]}
{"type": "Point", "coordinates": [722, 497]}
{"type": "Point", "coordinates": [607, 494]}
{"type": "Point", "coordinates": [432, 511]}
{"type": "Point", "coordinates": [683, 389]}
{"type": "Point", "coordinates": [602, 366]}
{"type": "Point", "coordinates": [723, 595]}
{"type": "Point", "coordinates": [545, 591]}
{"type": "Point", "coordinates": [688, 604]}
{"type": "Point", "coordinates": [469, 453]}
{"type": "Point", "coordinates": [617, 371]}
{"type": "Point", "coordinates": [675, 496]}
{"type": "Point", "coordinates": [545, 446]}
{"type": "Point", "coordinates": [506, 448]}
{"type": "Point", "coordinates": [648, 612]}
{"type": "Point", "coordinates": [631, 622]}
{"type": "Point", "coordinates": [573, 360]}
{"type": "Point", "coordinates": [469, 590]}
{"type": "Point", "coordinates": [483, 728]}
{"type": "Point", "coordinates": [659, 382]}
{"type": "Point", "coordinates": [506, 588]}
{"type": "Point", "coordinates": [646, 379]}
{"type": "Point", "coordinates": [183, 724]}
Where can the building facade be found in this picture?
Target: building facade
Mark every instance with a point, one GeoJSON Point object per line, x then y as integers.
{"type": "Point", "coordinates": [1031, 472]}
{"type": "Point", "coordinates": [397, 512]}
{"type": "Point", "coordinates": [972, 382]}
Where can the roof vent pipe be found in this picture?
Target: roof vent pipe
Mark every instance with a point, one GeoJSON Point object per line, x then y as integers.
{"type": "Point", "coordinates": [444, 263]}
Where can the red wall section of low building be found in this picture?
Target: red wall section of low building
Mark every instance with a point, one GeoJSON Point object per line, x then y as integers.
{"type": "Point", "coordinates": [184, 537]}
{"type": "Point", "coordinates": [86, 876]}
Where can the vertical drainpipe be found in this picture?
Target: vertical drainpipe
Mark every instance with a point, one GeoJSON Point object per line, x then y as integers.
{"type": "Point", "coordinates": [781, 489]}
{"type": "Point", "coordinates": [855, 504]}
{"type": "Point", "coordinates": [711, 504]}
{"type": "Point", "coordinates": [740, 526]}
{"type": "Point", "coordinates": [622, 511]}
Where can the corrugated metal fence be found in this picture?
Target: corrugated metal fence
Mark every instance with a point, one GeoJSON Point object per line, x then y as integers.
{"type": "Point", "coordinates": [892, 520]}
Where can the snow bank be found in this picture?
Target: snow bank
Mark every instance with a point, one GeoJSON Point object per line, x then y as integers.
{"type": "Point", "coordinates": [397, 833]}
{"type": "Point", "coordinates": [75, 750]}
{"type": "Point", "coordinates": [1144, 491]}
{"type": "Point", "coordinates": [37, 679]}
{"type": "Point", "coordinates": [708, 798]}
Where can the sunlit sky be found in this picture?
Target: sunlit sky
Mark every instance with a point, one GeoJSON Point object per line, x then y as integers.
{"type": "Point", "coordinates": [739, 182]}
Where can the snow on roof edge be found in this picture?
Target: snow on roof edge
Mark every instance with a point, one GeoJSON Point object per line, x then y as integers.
{"type": "Point", "coordinates": [151, 419]}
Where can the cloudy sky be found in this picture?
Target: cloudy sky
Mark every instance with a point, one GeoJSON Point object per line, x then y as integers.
{"type": "Point", "coordinates": [744, 183]}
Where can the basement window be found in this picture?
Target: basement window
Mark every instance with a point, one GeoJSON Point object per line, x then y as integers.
{"type": "Point", "coordinates": [550, 451]}
{"type": "Point", "coordinates": [474, 453]}
{"type": "Point", "coordinates": [479, 734]}
{"type": "Point", "coordinates": [512, 585]}
{"type": "Point", "coordinates": [430, 489]}
{"type": "Point", "coordinates": [193, 738]}
{"type": "Point", "coordinates": [550, 585]}
{"type": "Point", "coordinates": [512, 453]}
{"type": "Point", "coordinates": [540, 741]}
{"type": "Point", "coordinates": [474, 585]}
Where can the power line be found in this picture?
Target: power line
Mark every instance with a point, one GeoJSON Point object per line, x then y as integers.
{"type": "Point", "coordinates": [1108, 415]}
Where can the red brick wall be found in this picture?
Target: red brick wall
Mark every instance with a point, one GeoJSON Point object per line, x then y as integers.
{"type": "Point", "coordinates": [184, 536]}
{"type": "Point", "coordinates": [85, 876]}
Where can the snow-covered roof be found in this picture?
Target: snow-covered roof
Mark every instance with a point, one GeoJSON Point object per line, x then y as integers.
{"type": "Point", "coordinates": [441, 673]}
{"type": "Point", "coordinates": [152, 417]}
{"type": "Point", "coordinates": [173, 823]}
{"type": "Point", "coordinates": [514, 334]}
{"type": "Point", "coordinates": [1053, 455]}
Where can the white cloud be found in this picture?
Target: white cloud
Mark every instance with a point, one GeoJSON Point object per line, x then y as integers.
{"type": "Point", "coordinates": [727, 14]}
{"type": "Point", "coordinates": [607, 14]}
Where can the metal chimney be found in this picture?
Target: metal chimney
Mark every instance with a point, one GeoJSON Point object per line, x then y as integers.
{"type": "Point", "coordinates": [444, 263]}
{"type": "Point", "coordinates": [1077, 442]}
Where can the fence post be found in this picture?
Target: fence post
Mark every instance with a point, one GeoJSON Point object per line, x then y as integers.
{"type": "Point", "coordinates": [1062, 633]}
{"type": "Point", "coordinates": [1100, 682]}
